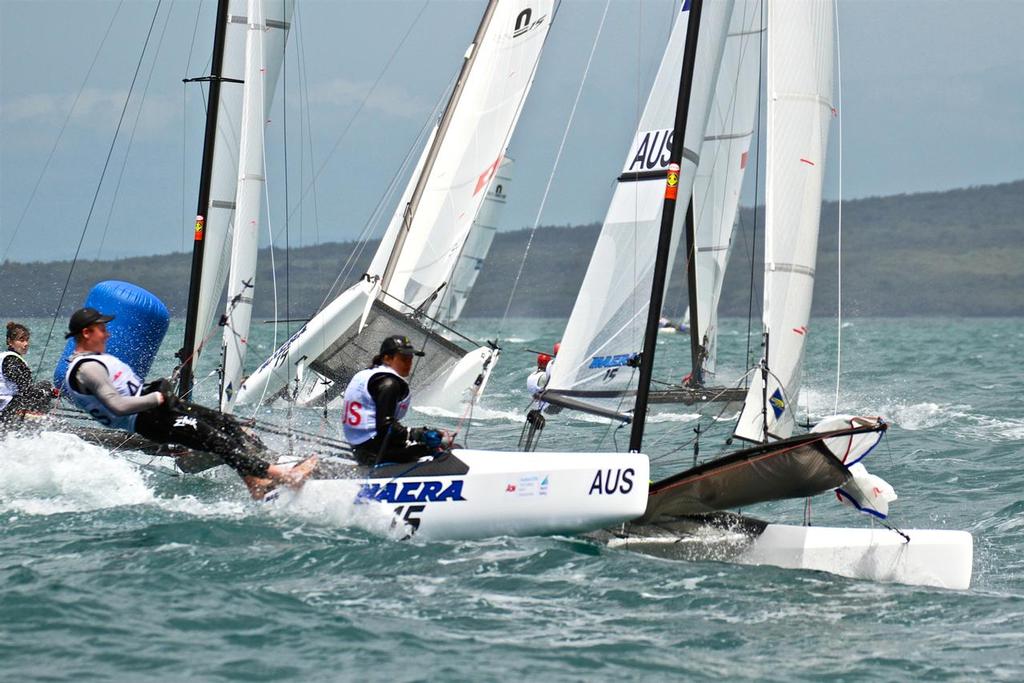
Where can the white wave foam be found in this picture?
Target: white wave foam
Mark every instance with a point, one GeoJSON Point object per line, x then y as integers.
{"type": "Point", "coordinates": [50, 473]}
{"type": "Point", "coordinates": [479, 413]}
{"type": "Point", "coordinates": [332, 502]}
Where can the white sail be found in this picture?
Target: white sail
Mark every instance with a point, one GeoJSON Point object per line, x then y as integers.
{"type": "Point", "coordinates": [723, 160]}
{"type": "Point", "coordinates": [607, 323]}
{"type": "Point", "coordinates": [474, 251]}
{"type": "Point", "coordinates": [800, 59]}
{"type": "Point", "coordinates": [465, 159]}
{"type": "Point", "coordinates": [264, 53]}
{"type": "Point", "coordinates": [473, 147]}
{"type": "Point", "coordinates": [215, 228]}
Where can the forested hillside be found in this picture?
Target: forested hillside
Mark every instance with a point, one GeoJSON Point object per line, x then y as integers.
{"type": "Point", "coordinates": [955, 253]}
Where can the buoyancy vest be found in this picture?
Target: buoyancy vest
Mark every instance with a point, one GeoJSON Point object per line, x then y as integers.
{"type": "Point", "coordinates": [360, 412]}
{"type": "Point", "coordinates": [124, 379]}
{"type": "Point", "coordinates": [8, 389]}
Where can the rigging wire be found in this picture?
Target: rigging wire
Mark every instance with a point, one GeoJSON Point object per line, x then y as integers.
{"type": "Point", "coordinates": [362, 104]}
{"type": "Point", "coordinates": [554, 168]}
{"type": "Point", "coordinates": [99, 186]}
{"type": "Point", "coordinates": [839, 210]}
{"type": "Point", "coordinates": [131, 135]}
{"type": "Point", "coordinates": [184, 128]}
{"type": "Point", "coordinates": [60, 134]}
{"type": "Point", "coordinates": [757, 186]}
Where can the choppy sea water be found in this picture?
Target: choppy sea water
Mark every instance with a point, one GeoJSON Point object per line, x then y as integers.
{"type": "Point", "coordinates": [113, 569]}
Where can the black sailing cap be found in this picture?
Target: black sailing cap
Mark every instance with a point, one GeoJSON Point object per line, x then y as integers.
{"type": "Point", "coordinates": [84, 317]}
{"type": "Point", "coordinates": [398, 344]}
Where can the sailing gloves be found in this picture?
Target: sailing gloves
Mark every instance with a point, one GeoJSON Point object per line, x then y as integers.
{"type": "Point", "coordinates": [162, 386]}
{"type": "Point", "coordinates": [431, 438]}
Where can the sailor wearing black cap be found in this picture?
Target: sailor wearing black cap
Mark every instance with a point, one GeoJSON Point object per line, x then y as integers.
{"type": "Point", "coordinates": [376, 399]}
{"type": "Point", "coordinates": [109, 390]}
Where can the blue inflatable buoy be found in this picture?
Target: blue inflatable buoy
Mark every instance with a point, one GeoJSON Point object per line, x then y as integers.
{"type": "Point", "coordinates": [136, 332]}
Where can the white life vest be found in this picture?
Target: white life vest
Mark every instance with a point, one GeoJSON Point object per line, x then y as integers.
{"type": "Point", "coordinates": [124, 379]}
{"type": "Point", "coordinates": [8, 389]}
{"type": "Point", "coordinates": [360, 412]}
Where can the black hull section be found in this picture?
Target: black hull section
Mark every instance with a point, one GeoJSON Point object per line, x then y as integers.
{"type": "Point", "coordinates": [716, 537]}
{"type": "Point", "coordinates": [699, 396]}
{"type": "Point", "coordinates": [797, 467]}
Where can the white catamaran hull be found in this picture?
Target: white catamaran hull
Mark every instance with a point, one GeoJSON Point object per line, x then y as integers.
{"type": "Point", "coordinates": [308, 343]}
{"type": "Point", "coordinates": [465, 381]}
{"type": "Point", "coordinates": [939, 558]}
{"type": "Point", "coordinates": [497, 494]}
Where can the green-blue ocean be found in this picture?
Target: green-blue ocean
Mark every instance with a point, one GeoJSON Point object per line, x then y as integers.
{"type": "Point", "coordinates": [114, 568]}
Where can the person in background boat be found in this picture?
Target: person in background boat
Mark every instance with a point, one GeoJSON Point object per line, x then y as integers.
{"type": "Point", "coordinates": [18, 393]}
{"type": "Point", "coordinates": [109, 390]}
{"type": "Point", "coordinates": [376, 400]}
{"type": "Point", "coordinates": [538, 379]}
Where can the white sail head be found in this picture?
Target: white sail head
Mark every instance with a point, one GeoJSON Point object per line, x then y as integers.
{"type": "Point", "coordinates": [800, 63]}
{"type": "Point", "coordinates": [471, 152]}
{"type": "Point", "coordinates": [724, 157]}
{"type": "Point", "coordinates": [264, 54]}
{"type": "Point", "coordinates": [607, 323]}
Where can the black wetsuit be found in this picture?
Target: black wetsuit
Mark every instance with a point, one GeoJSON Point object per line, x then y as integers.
{"type": "Point", "coordinates": [36, 397]}
{"type": "Point", "coordinates": [392, 441]}
{"type": "Point", "coordinates": [175, 421]}
{"type": "Point", "coordinates": [198, 427]}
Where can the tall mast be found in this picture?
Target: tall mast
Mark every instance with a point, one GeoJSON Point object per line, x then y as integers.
{"type": "Point", "coordinates": [696, 346]}
{"type": "Point", "coordinates": [442, 129]}
{"type": "Point", "coordinates": [668, 213]}
{"type": "Point", "coordinates": [186, 354]}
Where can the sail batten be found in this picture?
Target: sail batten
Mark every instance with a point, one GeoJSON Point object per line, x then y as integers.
{"type": "Point", "coordinates": [800, 64]}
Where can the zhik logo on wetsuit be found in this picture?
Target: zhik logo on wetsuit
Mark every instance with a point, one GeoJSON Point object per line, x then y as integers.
{"type": "Point", "coordinates": [185, 421]}
{"type": "Point", "coordinates": [411, 492]}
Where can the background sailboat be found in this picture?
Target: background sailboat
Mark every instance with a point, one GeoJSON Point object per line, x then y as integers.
{"type": "Point", "coordinates": [404, 286]}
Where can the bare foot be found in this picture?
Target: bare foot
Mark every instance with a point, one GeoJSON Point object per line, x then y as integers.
{"type": "Point", "coordinates": [292, 477]}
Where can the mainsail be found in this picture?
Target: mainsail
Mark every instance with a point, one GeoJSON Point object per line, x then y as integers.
{"type": "Point", "coordinates": [597, 360]}
{"type": "Point", "coordinates": [419, 251]}
{"type": "Point", "coordinates": [217, 215]}
{"type": "Point", "coordinates": [800, 46]}
{"type": "Point", "coordinates": [723, 160]}
{"type": "Point", "coordinates": [264, 54]}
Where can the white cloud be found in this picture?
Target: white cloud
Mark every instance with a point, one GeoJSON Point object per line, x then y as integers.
{"type": "Point", "coordinates": [96, 109]}
{"type": "Point", "coordinates": [387, 99]}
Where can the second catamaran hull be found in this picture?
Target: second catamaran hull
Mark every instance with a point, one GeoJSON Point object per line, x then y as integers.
{"type": "Point", "coordinates": [932, 557]}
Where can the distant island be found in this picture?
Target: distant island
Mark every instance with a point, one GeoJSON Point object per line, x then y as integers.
{"type": "Point", "coordinates": [955, 253]}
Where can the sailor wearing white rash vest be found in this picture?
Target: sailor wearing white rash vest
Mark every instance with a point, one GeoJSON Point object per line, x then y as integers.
{"type": "Point", "coordinates": [18, 393]}
{"type": "Point", "coordinates": [376, 400]}
{"type": "Point", "coordinates": [110, 391]}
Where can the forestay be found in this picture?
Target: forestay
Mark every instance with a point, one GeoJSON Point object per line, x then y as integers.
{"type": "Point", "coordinates": [723, 159]}
{"type": "Point", "coordinates": [800, 46]}
{"type": "Point", "coordinates": [264, 52]}
{"type": "Point", "coordinates": [219, 216]}
{"type": "Point", "coordinates": [606, 328]}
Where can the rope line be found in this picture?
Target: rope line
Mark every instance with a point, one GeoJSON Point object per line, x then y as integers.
{"type": "Point", "coordinates": [99, 186]}
{"type": "Point", "coordinates": [554, 168]}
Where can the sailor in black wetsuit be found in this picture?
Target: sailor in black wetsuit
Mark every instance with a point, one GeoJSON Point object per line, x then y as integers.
{"type": "Point", "coordinates": [18, 393]}
{"type": "Point", "coordinates": [109, 390]}
{"type": "Point", "coordinates": [376, 399]}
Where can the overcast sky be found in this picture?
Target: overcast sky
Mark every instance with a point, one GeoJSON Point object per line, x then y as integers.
{"type": "Point", "coordinates": [932, 98]}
